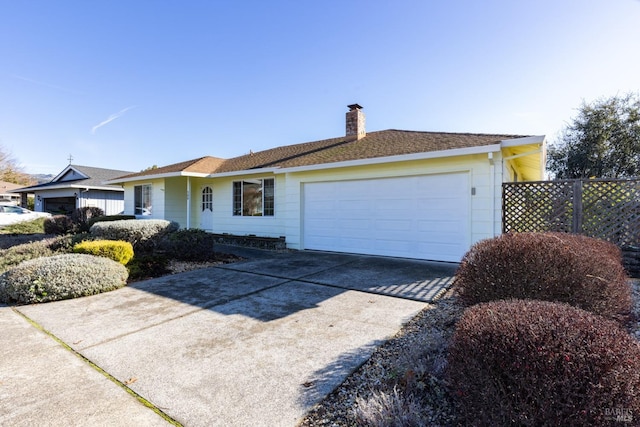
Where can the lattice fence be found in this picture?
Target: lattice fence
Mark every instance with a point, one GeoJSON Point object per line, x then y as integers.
{"type": "Point", "coordinates": [606, 209]}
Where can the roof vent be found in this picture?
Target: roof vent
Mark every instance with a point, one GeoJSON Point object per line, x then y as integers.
{"type": "Point", "coordinates": [355, 121]}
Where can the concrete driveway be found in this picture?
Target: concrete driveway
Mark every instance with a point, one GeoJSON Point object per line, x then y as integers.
{"type": "Point", "coordinates": [254, 343]}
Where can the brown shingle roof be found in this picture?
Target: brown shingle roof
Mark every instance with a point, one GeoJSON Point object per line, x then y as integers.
{"type": "Point", "coordinates": [204, 165]}
{"type": "Point", "coordinates": [373, 145]}
{"type": "Point", "coordinates": [384, 143]}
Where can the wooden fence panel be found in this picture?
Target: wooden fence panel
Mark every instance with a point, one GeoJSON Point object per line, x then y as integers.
{"type": "Point", "coordinates": [606, 209]}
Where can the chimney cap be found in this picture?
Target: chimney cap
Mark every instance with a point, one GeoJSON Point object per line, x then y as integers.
{"type": "Point", "coordinates": [353, 107]}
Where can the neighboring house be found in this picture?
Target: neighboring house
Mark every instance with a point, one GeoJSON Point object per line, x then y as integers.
{"type": "Point", "coordinates": [5, 196]}
{"type": "Point", "coordinates": [427, 195]}
{"type": "Point", "coordinates": [76, 187]}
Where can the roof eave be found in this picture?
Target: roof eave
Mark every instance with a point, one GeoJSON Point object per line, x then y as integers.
{"type": "Point", "coordinates": [62, 187]}
{"type": "Point", "coordinates": [398, 158]}
{"type": "Point", "coordinates": [67, 169]}
{"type": "Point", "coordinates": [117, 181]}
{"type": "Point", "coordinates": [525, 140]}
{"type": "Point", "coordinates": [256, 171]}
{"type": "Point", "coordinates": [530, 154]}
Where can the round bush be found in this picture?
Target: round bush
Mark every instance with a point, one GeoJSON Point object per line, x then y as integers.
{"type": "Point", "coordinates": [93, 220]}
{"type": "Point", "coordinates": [581, 271]}
{"type": "Point", "coordinates": [116, 250]}
{"type": "Point", "coordinates": [143, 234]}
{"type": "Point", "coordinates": [530, 362]}
{"type": "Point", "coordinates": [58, 224]}
{"type": "Point", "coordinates": [61, 277]}
{"type": "Point", "coordinates": [81, 217]}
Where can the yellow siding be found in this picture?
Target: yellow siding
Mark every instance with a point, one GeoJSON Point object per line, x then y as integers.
{"type": "Point", "coordinates": [157, 198]}
{"type": "Point", "coordinates": [485, 174]}
{"type": "Point", "coordinates": [484, 220]}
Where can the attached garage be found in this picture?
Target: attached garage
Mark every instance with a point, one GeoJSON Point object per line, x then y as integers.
{"type": "Point", "coordinates": [425, 216]}
{"type": "Point", "coordinates": [408, 194]}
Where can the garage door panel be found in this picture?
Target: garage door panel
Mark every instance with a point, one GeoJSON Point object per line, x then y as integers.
{"type": "Point", "coordinates": [351, 227]}
{"type": "Point", "coordinates": [388, 225]}
{"type": "Point", "coordinates": [441, 226]}
{"type": "Point", "coordinates": [384, 247]}
{"type": "Point", "coordinates": [415, 217]}
{"type": "Point", "coordinates": [393, 207]}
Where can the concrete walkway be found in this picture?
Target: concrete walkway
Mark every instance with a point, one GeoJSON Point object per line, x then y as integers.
{"type": "Point", "coordinates": [254, 343]}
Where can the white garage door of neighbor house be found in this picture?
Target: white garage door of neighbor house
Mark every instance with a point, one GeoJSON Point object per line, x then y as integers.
{"type": "Point", "coordinates": [425, 217]}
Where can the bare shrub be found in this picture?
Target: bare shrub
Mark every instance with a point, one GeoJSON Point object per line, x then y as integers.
{"type": "Point", "coordinates": [392, 409]}
{"type": "Point", "coordinates": [530, 362]}
{"type": "Point", "coordinates": [581, 271]}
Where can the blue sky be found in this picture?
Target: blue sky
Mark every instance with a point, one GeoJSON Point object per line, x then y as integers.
{"type": "Point", "coordinates": [129, 84]}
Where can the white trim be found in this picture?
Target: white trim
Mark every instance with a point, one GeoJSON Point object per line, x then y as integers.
{"type": "Point", "coordinates": [67, 169]}
{"type": "Point", "coordinates": [194, 175]}
{"type": "Point", "coordinates": [244, 172]}
{"type": "Point", "coordinates": [527, 140]}
{"type": "Point", "coordinates": [63, 186]}
{"type": "Point", "coordinates": [188, 203]}
{"type": "Point", "coordinates": [158, 176]}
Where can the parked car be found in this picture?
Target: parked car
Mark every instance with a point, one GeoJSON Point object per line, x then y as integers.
{"type": "Point", "coordinates": [13, 214]}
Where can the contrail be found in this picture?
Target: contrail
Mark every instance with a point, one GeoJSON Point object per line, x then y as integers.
{"type": "Point", "coordinates": [111, 118]}
{"type": "Point", "coordinates": [41, 83]}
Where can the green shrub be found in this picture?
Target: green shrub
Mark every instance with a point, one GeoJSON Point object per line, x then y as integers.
{"type": "Point", "coordinates": [143, 234]}
{"type": "Point", "coordinates": [58, 224]}
{"type": "Point", "coordinates": [147, 266]}
{"type": "Point", "coordinates": [80, 217]}
{"type": "Point", "coordinates": [14, 255]}
{"type": "Point", "coordinates": [64, 244]}
{"type": "Point", "coordinates": [116, 250]}
{"type": "Point", "coordinates": [524, 362]}
{"type": "Point", "coordinates": [93, 220]}
{"type": "Point", "coordinates": [61, 277]}
{"type": "Point", "coordinates": [35, 226]}
{"type": "Point", "coordinates": [189, 245]}
{"type": "Point", "coordinates": [581, 271]}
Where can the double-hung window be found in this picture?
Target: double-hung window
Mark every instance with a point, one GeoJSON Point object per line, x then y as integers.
{"type": "Point", "coordinates": [253, 197]}
{"type": "Point", "coordinates": [142, 199]}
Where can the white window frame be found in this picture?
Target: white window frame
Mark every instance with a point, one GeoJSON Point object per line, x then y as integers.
{"type": "Point", "coordinates": [206, 198]}
{"type": "Point", "coordinates": [240, 206]}
{"type": "Point", "coordinates": [145, 195]}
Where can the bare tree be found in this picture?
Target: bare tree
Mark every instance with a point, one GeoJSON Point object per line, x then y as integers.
{"type": "Point", "coordinates": [11, 171]}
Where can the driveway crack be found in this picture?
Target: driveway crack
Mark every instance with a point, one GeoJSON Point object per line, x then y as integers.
{"type": "Point", "coordinates": [98, 369]}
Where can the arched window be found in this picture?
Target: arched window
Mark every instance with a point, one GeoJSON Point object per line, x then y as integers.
{"type": "Point", "coordinates": [207, 198]}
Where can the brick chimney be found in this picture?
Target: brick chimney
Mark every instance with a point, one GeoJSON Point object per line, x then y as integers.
{"type": "Point", "coordinates": [355, 121]}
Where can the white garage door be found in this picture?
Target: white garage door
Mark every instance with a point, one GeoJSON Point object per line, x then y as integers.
{"type": "Point", "coordinates": [425, 217]}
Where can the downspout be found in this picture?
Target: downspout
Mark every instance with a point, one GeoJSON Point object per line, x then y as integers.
{"type": "Point", "coordinates": [188, 202]}
{"type": "Point", "coordinates": [492, 173]}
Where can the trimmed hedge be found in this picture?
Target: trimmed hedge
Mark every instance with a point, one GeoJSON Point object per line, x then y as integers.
{"type": "Point", "coordinates": [77, 222]}
{"type": "Point", "coordinates": [578, 270]}
{"type": "Point", "coordinates": [116, 250]}
{"type": "Point", "coordinates": [93, 220]}
{"type": "Point", "coordinates": [61, 277]}
{"type": "Point", "coordinates": [58, 224]}
{"type": "Point", "coordinates": [147, 266]}
{"type": "Point", "coordinates": [536, 363]}
{"type": "Point", "coordinates": [81, 217]}
{"type": "Point", "coordinates": [143, 234]}
{"type": "Point", "coordinates": [189, 245]}
{"type": "Point", "coordinates": [14, 255]}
